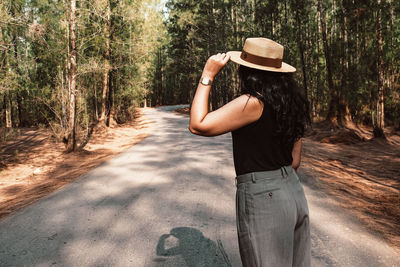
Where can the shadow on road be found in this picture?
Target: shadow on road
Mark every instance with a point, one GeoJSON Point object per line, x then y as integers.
{"type": "Point", "coordinates": [194, 248]}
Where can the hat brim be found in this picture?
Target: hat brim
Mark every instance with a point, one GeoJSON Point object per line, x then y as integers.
{"type": "Point", "coordinates": [235, 57]}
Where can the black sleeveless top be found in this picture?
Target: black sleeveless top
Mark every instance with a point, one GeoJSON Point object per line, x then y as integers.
{"type": "Point", "coordinates": [256, 149]}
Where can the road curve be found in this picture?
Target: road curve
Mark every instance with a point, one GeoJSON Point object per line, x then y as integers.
{"type": "Point", "coordinates": [167, 201]}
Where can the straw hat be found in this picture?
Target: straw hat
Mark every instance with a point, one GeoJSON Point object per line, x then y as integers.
{"type": "Point", "coordinates": [262, 54]}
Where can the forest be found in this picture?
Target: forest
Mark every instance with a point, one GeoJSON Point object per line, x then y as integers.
{"type": "Point", "coordinates": [68, 65]}
{"type": "Point", "coordinates": [95, 150]}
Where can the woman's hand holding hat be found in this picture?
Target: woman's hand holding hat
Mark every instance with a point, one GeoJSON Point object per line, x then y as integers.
{"type": "Point", "coordinates": [214, 64]}
{"type": "Point", "coordinates": [233, 115]}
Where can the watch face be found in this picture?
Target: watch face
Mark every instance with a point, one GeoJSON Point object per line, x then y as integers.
{"type": "Point", "coordinates": [206, 81]}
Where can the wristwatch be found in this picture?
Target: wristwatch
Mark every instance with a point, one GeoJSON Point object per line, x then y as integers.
{"type": "Point", "coordinates": [205, 81]}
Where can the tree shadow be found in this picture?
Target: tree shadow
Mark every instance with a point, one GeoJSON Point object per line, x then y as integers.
{"type": "Point", "coordinates": [193, 247]}
{"type": "Point", "coordinates": [23, 145]}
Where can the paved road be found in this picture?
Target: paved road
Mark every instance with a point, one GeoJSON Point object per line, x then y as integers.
{"type": "Point", "coordinates": [167, 201]}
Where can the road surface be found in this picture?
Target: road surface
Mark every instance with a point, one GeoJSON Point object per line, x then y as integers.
{"type": "Point", "coordinates": [167, 201]}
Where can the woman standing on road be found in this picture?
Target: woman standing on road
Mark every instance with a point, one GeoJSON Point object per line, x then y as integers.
{"type": "Point", "coordinates": [267, 122]}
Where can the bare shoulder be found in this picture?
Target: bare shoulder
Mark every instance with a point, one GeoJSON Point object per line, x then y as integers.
{"type": "Point", "coordinates": [235, 114]}
{"type": "Point", "coordinates": [248, 104]}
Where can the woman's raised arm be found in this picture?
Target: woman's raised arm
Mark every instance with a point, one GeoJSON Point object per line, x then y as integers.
{"type": "Point", "coordinates": [235, 114]}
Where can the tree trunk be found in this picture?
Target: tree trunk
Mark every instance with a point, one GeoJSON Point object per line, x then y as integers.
{"type": "Point", "coordinates": [344, 115]}
{"type": "Point", "coordinates": [20, 112]}
{"type": "Point", "coordinates": [106, 74]}
{"type": "Point", "coordinates": [300, 43]}
{"type": "Point", "coordinates": [111, 93]}
{"type": "Point", "coordinates": [378, 131]}
{"type": "Point", "coordinates": [160, 99]}
{"type": "Point", "coordinates": [67, 77]}
{"type": "Point", "coordinates": [286, 13]}
{"type": "Point", "coordinates": [21, 121]}
{"type": "Point", "coordinates": [3, 110]}
{"type": "Point", "coordinates": [14, 12]}
{"type": "Point", "coordinates": [7, 110]}
{"type": "Point", "coordinates": [234, 26]}
{"type": "Point", "coordinates": [392, 46]}
{"type": "Point", "coordinates": [70, 135]}
{"type": "Point", "coordinates": [333, 104]}
{"type": "Point", "coordinates": [95, 108]}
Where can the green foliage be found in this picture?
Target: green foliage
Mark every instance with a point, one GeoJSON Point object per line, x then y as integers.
{"type": "Point", "coordinates": [35, 54]}
{"type": "Point", "coordinates": [198, 29]}
{"type": "Point", "coordinates": [157, 53]}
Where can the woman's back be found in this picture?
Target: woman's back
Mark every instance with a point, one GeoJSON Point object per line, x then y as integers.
{"type": "Point", "coordinates": [256, 148]}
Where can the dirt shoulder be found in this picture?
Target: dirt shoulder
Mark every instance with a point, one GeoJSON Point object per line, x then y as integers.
{"type": "Point", "coordinates": [184, 111]}
{"type": "Point", "coordinates": [362, 173]}
{"type": "Point", "coordinates": [34, 164]}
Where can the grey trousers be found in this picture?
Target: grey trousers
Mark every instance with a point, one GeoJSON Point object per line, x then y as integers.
{"type": "Point", "coordinates": [272, 219]}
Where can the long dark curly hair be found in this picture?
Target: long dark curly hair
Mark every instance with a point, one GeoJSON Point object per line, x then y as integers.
{"type": "Point", "coordinates": [280, 92]}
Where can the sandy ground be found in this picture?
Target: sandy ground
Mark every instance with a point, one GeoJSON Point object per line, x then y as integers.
{"type": "Point", "coordinates": [363, 175]}
{"type": "Point", "coordinates": [33, 164]}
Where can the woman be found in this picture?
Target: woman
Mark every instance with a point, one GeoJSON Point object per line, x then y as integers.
{"type": "Point", "coordinates": [267, 122]}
